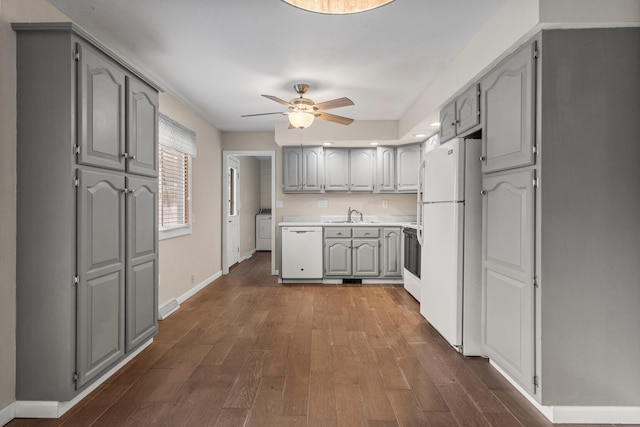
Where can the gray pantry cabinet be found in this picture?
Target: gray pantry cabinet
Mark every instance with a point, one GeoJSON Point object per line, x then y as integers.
{"type": "Point", "coordinates": [391, 257]}
{"type": "Point", "coordinates": [87, 236]}
{"type": "Point", "coordinates": [302, 169]}
{"type": "Point", "coordinates": [461, 115]}
{"type": "Point", "coordinates": [560, 217]}
{"type": "Point", "coordinates": [508, 108]}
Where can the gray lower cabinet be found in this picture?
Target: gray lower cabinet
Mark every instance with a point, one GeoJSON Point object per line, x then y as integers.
{"type": "Point", "coordinates": [337, 257]}
{"type": "Point", "coordinates": [86, 293]}
{"type": "Point", "coordinates": [362, 252]}
{"type": "Point", "coordinates": [366, 257]}
{"type": "Point", "coordinates": [508, 272]}
{"type": "Point", "coordinates": [508, 101]}
{"type": "Point", "coordinates": [391, 252]}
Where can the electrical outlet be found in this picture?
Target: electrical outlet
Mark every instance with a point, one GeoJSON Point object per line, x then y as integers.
{"type": "Point", "coordinates": [385, 203]}
{"type": "Point", "coordinates": [193, 279]}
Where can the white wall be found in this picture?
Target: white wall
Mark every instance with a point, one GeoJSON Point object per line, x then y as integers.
{"type": "Point", "coordinates": [189, 260]}
{"type": "Point", "coordinates": [249, 202]}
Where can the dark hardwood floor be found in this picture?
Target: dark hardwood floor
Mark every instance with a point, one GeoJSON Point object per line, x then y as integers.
{"type": "Point", "coordinates": [246, 351]}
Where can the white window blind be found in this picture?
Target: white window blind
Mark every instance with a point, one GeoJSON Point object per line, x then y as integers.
{"type": "Point", "coordinates": [177, 146]}
{"type": "Point", "coordinates": [173, 188]}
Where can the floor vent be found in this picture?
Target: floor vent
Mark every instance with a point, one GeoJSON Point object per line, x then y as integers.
{"type": "Point", "coordinates": [168, 309]}
{"type": "Point", "coordinates": [352, 281]}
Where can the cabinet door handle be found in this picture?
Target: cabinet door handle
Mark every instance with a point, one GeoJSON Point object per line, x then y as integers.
{"type": "Point", "coordinates": [483, 158]}
{"type": "Point", "coordinates": [483, 193]}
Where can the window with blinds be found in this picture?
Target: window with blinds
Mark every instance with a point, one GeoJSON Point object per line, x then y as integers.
{"type": "Point", "coordinates": [176, 150]}
{"type": "Point", "coordinates": [173, 189]}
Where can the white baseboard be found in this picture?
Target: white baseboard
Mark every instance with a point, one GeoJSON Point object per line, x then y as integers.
{"type": "Point", "coordinates": [53, 409]}
{"type": "Point", "coordinates": [247, 255]}
{"type": "Point", "coordinates": [171, 306]}
{"type": "Point", "coordinates": [579, 414]}
{"type": "Point", "coordinates": [7, 413]}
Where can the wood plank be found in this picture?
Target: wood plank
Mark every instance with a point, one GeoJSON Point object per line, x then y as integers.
{"type": "Point", "coordinates": [232, 417]}
{"type": "Point", "coordinates": [296, 391]}
{"type": "Point", "coordinates": [267, 406]}
{"type": "Point", "coordinates": [425, 391]}
{"type": "Point", "coordinates": [320, 350]}
{"type": "Point", "coordinates": [322, 400]}
{"type": "Point", "coordinates": [374, 396]}
{"type": "Point", "coordinates": [350, 410]}
{"type": "Point", "coordinates": [391, 374]}
{"type": "Point", "coordinates": [246, 386]}
{"type": "Point", "coordinates": [462, 408]}
{"type": "Point", "coordinates": [407, 409]}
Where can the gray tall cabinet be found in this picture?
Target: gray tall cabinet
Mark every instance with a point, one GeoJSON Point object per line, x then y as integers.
{"type": "Point", "coordinates": [561, 240]}
{"type": "Point", "coordinates": [87, 237]}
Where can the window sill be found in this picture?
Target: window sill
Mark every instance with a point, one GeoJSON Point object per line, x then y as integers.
{"type": "Point", "coordinates": [170, 233]}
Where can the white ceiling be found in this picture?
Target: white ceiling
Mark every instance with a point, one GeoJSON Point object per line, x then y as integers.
{"type": "Point", "coordinates": [219, 56]}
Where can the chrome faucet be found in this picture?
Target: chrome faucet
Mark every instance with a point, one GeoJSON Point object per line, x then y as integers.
{"type": "Point", "coordinates": [350, 211]}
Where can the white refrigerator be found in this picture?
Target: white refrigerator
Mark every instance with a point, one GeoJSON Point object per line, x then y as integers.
{"type": "Point", "coordinates": [450, 297]}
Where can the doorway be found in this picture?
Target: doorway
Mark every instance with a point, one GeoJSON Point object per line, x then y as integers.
{"type": "Point", "coordinates": [232, 211]}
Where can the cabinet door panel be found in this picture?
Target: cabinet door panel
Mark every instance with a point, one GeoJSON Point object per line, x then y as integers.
{"type": "Point", "coordinates": [408, 158]}
{"type": "Point", "coordinates": [508, 265]}
{"type": "Point", "coordinates": [337, 257]}
{"type": "Point", "coordinates": [391, 254]}
{"type": "Point", "coordinates": [312, 168]}
{"type": "Point", "coordinates": [467, 110]}
{"type": "Point", "coordinates": [508, 109]}
{"type": "Point", "coordinates": [101, 97]}
{"type": "Point", "coordinates": [448, 122]}
{"type": "Point", "coordinates": [386, 170]}
{"type": "Point", "coordinates": [142, 125]}
{"type": "Point", "coordinates": [366, 257]}
{"type": "Point", "coordinates": [291, 169]}
{"type": "Point", "coordinates": [362, 168]}
{"type": "Point", "coordinates": [101, 269]}
{"type": "Point", "coordinates": [336, 164]}
{"type": "Point", "coordinates": [142, 249]}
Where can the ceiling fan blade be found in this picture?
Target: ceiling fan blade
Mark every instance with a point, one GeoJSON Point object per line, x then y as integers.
{"type": "Point", "coordinates": [261, 114]}
{"type": "Point", "coordinates": [334, 103]}
{"type": "Point", "coordinates": [334, 118]}
{"type": "Point", "coordinates": [278, 100]}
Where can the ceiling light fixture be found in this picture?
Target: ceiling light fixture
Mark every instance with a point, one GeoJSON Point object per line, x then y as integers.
{"type": "Point", "coordinates": [300, 119]}
{"type": "Point", "coordinates": [435, 124]}
{"type": "Point", "coordinates": [337, 7]}
{"type": "Point", "coordinates": [419, 135]}
{"type": "Point", "coordinates": [374, 143]}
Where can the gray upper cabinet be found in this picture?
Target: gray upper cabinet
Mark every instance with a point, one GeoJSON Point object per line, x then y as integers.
{"type": "Point", "coordinates": [86, 292]}
{"type": "Point", "coordinates": [508, 108]}
{"type": "Point", "coordinates": [142, 128]}
{"type": "Point", "coordinates": [336, 163]}
{"type": "Point", "coordinates": [362, 170]}
{"type": "Point", "coordinates": [407, 168]}
{"type": "Point", "coordinates": [291, 169]}
{"type": "Point", "coordinates": [350, 169]}
{"type": "Point", "coordinates": [386, 169]}
{"type": "Point", "coordinates": [101, 270]}
{"type": "Point", "coordinates": [448, 122]}
{"type": "Point", "coordinates": [302, 169]}
{"type": "Point", "coordinates": [101, 93]}
{"type": "Point", "coordinates": [507, 272]}
{"type": "Point", "coordinates": [461, 115]}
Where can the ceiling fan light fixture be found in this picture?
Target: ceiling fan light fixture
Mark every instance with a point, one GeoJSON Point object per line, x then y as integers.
{"type": "Point", "coordinates": [300, 119]}
{"type": "Point", "coordinates": [337, 7]}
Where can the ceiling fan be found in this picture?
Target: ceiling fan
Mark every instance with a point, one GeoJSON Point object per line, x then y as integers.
{"type": "Point", "coordinates": [302, 110]}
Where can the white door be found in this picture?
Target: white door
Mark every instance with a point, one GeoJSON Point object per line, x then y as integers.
{"type": "Point", "coordinates": [233, 222]}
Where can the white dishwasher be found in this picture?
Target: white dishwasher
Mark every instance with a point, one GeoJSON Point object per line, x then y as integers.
{"type": "Point", "coordinates": [301, 253]}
